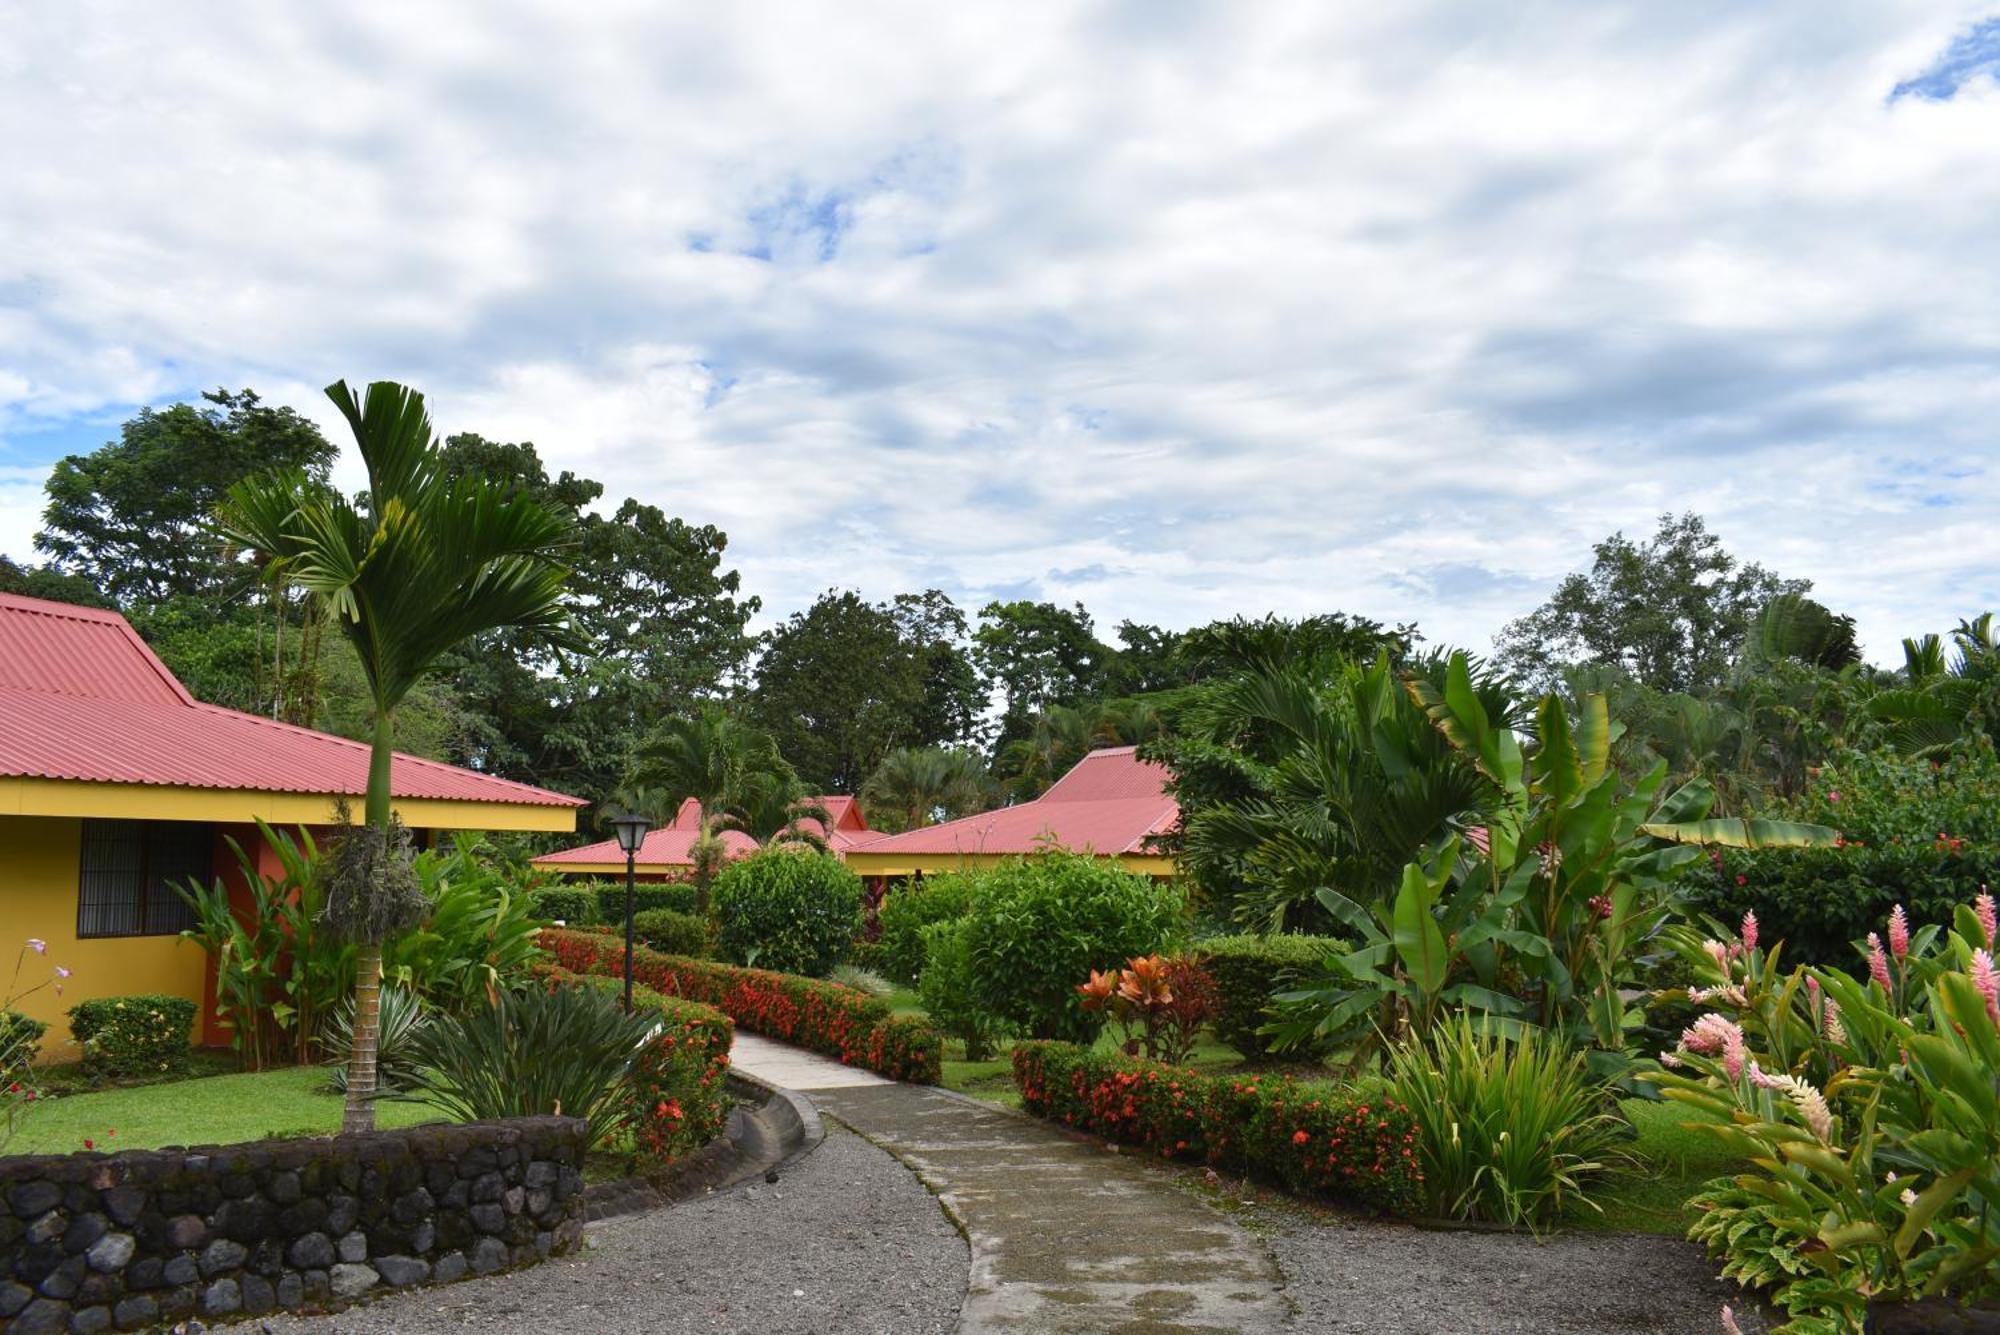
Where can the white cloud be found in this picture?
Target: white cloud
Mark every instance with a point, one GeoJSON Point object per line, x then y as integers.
{"type": "Point", "coordinates": [1183, 309]}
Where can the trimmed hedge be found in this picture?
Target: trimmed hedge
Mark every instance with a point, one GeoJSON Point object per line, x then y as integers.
{"type": "Point", "coordinates": [677, 1083]}
{"type": "Point", "coordinates": [1249, 971]}
{"type": "Point", "coordinates": [906, 910]}
{"type": "Point", "coordinates": [827, 1018]}
{"type": "Point", "coordinates": [1311, 1139]}
{"type": "Point", "coordinates": [787, 910]}
{"type": "Point", "coordinates": [144, 1034]}
{"type": "Point", "coordinates": [673, 933]}
{"type": "Point", "coordinates": [571, 905]}
{"type": "Point", "coordinates": [676, 895]}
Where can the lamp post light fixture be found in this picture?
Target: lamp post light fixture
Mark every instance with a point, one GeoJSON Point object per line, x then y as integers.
{"type": "Point", "coordinates": [631, 827]}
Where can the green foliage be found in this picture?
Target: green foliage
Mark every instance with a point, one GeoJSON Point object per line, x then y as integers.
{"type": "Point", "coordinates": [673, 933]}
{"type": "Point", "coordinates": [677, 896]}
{"type": "Point", "coordinates": [20, 1041]}
{"type": "Point", "coordinates": [1039, 655]}
{"type": "Point", "coordinates": [1311, 1139]}
{"type": "Point", "coordinates": [1509, 1128]}
{"type": "Point", "coordinates": [949, 993]}
{"type": "Point", "coordinates": [1060, 735]}
{"type": "Point", "coordinates": [402, 1016]}
{"type": "Point", "coordinates": [143, 1034]}
{"type": "Point", "coordinates": [570, 904]}
{"type": "Point", "coordinates": [1249, 971]}
{"type": "Point", "coordinates": [679, 1101]}
{"type": "Point", "coordinates": [907, 910]}
{"type": "Point", "coordinates": [914, 787]}
{"type": "Point", "coordinates": [476, 932]}
{"type": "Point", "coordinates": [533, 1052]}
{"type": "Point", "coordinates": [1039, 925]}
{"type": "Point", "coordinates": [1921, 833]}
{"type": "Point", "coordinates": [787, 910]}
{"type": "Point", "coordinates": [129, 517]}
{"type": "Point", "coordinates": [1672, 612]}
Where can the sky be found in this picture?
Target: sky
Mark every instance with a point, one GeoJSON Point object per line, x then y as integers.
{"type": "Point", "coordinates": [1178, 309]}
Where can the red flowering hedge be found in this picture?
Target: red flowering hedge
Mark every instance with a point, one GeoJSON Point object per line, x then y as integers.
{"type": "Point", "coordinates": [836, 1021]}
{"type": "Point", "coordinates": [680, 1102]}
{"type": "Point", "coordinates": [1310, 1139]}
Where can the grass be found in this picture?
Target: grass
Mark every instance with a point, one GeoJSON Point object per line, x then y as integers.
{"type": "Point", "coordinates": [207, 1110]}
{"type": "Point", "coordinates": [1671, 1161]}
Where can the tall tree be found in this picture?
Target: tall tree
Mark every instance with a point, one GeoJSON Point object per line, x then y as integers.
{"type": "Point", "coordinates": [130, 516]}
{"type": "Point", "coordinates": [1038, 655]}
{"type": "Point", "coordinates": [53, 585]}
{"type": "Point", "coordinates": [1673, 611]}
{"type": "Point", "coordinates": [731, 769]}
{"type": "Point", "coordinates": [934, 631]}
{"type": "Point", "coordinates": [418, 565]}
{"type": "Point", "coordinates": [839, 688]}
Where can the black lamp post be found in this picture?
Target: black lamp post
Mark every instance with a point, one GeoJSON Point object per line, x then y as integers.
{"type": "Point", "coordinates": [631, 828]}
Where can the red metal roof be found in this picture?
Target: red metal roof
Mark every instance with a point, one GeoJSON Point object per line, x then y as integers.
{"type": "Point", "coordinates": [672, 845]}
{"type": "Point", "coordinates": [82, 698]}
{"type": "Point", "coordinates": [1110, 803]}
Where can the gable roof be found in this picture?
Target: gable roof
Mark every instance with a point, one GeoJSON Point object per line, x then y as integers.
{"type": "Point", "coordinates": [672, 844]}
{"type": "Point", "coordinates": [84, 700]}
{"type": "Point", "coordinates": [1111, 803]}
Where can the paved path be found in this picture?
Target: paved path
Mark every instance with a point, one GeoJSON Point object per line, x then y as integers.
{"type": "Point", "coordinates": [1065, 1235]}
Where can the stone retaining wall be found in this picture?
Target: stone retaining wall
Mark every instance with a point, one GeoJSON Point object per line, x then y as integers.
{"type": "Point", "coordinates": [93, 1242]}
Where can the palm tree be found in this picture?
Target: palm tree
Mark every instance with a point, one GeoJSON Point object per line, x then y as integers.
{"type": "Point", "coordinates": [916, 786]}
{"type": "Point", "coordinates": [728, 766]}
{"type": "Point", "coordinates": [416, 567]}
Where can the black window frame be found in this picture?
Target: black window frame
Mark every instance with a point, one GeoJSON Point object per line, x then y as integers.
{"type": "Point", "coordinates": [126, 870]}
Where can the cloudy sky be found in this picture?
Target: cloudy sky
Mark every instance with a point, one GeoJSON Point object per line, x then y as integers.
{"type": "Point", "coordinates": [1179, 309]}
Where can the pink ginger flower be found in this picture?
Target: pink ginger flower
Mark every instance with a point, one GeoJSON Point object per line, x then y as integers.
{"type": "Point", "coordinates": [1810, 1103]}
{"type": "Point", "coordinates": [1729, 1326]}
{"type": "Point", "coordinates": [1830, 1023]}
{"type": "Point", "coordinates": [1908, 1196]}
{"type": "Point", "coordinates": [1717, 952]}
{"type": "Point", "coordinates": [1729, 992]}
{"type": "Point", "coordinates": [1899, 933]}
{"type": "Point", "coordinates": [1713, 1035]}
{"type": "Point", "coordinates": [1983, 906]}
{"type": "Point", "coordinates": [1987, 980]}
{"type": "Point", "coordinates": [1750, 930]}
{"type": "Point", "coordinates": [1878, 963]}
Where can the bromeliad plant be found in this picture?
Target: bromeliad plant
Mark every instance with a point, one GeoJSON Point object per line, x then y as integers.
{"type": "Point", "coordinates": [1871, 1110]}
{"type": "Point", "coordinates": [1537, 917]}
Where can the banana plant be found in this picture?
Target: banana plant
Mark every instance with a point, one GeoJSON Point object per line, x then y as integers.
{"type": "Point", "coordinates": [1536, 916]}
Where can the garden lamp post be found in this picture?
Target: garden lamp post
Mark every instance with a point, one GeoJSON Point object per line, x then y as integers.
{"type": "Point", "coordinates": [631, 827]}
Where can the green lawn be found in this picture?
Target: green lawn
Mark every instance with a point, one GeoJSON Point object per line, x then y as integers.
{"type": "Point", "coordinates": [211, 1110]}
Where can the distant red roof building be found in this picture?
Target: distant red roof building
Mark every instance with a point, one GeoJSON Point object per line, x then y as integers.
{"type": "Point", "coordinates": [1112, 804]}
{"type": "Point", "coordinates": [668, 851]}
{"type": "Point", "coordinates": [83, 700]}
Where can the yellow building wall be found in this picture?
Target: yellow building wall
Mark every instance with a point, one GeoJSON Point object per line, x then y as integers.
{"type": "Point", "coordinates": [38, 893]}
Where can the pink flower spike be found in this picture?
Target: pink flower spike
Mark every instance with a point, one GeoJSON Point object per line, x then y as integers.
{"type": "Point", "coordinates": [1729, 1326]}
{"type": "Point", "coordinates": [1830, 1022]}
{"type": "Point", "coordinates": [39, 946]}
{"type": "Point", "coordinates": [1983, 907]}
{"type": "Point", "coordinates": [1987, 979]}
{"type": "Point", "coordinates": [1878, 963]}
{"type": "Point", "coordinates": [1750, 930]}
{"type": "Point", "coordinates": [1899, 933]}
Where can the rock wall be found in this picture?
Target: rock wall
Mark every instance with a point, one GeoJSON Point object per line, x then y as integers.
{"type": "Point", "coordinates": [92, 1242]}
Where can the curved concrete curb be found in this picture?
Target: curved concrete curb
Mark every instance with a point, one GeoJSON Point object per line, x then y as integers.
{"type": "Point", "coordinates": [782, 1130]}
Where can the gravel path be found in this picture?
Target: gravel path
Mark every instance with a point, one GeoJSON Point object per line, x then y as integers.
{"type": "Point", "coordinates": [849, 1241]}
{"type": "Point", "coordinates": [1390, 1279]}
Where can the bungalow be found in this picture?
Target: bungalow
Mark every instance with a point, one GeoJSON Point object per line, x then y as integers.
{"type": "Point", "coordinates": [666, 854]}
{"type": "Point", "coordinates": [1111, 804]}
{"type": "Point", "coordinates": [116, 784]}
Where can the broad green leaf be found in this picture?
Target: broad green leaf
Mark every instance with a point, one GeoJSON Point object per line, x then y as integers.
{"type": "Point", "coordinates": [1419, 943]}
{"type": "Point", "coordinates": [1929, 1201]}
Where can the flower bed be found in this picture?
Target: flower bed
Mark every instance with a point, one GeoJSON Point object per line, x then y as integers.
{"type": "Point", "coordinates": [1312, 1140]}
{"type": "Point", "coordinates": [677, 1083]}
{"type": "Point", "coordinates": [827, 1018]}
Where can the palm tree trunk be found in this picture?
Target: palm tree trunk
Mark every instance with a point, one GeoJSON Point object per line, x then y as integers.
{"type": "Point", "coordinates": [359, 1115]}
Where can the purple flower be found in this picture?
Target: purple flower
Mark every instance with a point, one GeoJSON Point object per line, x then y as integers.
{"type": "Point", "coordinates": [39, 946]}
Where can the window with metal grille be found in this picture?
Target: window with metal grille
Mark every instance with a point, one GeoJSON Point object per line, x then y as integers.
{"type": "Point", "coordinates": [129, 869]}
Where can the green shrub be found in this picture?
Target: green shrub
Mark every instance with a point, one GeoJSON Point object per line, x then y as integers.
{"type": "Point", "coordinates": [1310, 1138]}
{"type": "Point", "coordinates": [1509, 1129]}
{"type": "Point", "coordinates": [20, 1040]}
{"type": "Point", "coordinates": [787, 910]}
{"type": "Point", "coordinates": [138, 1035]}
{"type": "Point", "coordinates": [679, 1100]}
{"type": "Point", "coordinates": [571, 905]}
{"type": "Point", "coordinates": [676, 895]}
{"type": "Point", "coordinates": [1249, 971]}
{"type": "Point", "coordinates": [836, 1021]}
{"type": "Point", "coordinates": [1039, 925]}
{"type": "Point", "coordinates": [535, 1051]}
{"type": "Point", "coordinates": [946, 987]}
{"type": "Point", "coordinates": [906, 911]}
{"type": "Point", "coordinates": [672, 933]}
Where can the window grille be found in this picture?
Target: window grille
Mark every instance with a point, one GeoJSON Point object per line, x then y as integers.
{"type": "Point", "coordinates": [129, 869]}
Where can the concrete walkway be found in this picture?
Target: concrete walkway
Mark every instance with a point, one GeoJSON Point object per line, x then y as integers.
{"type": "Point", "coordinates": [1065, 1235]}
